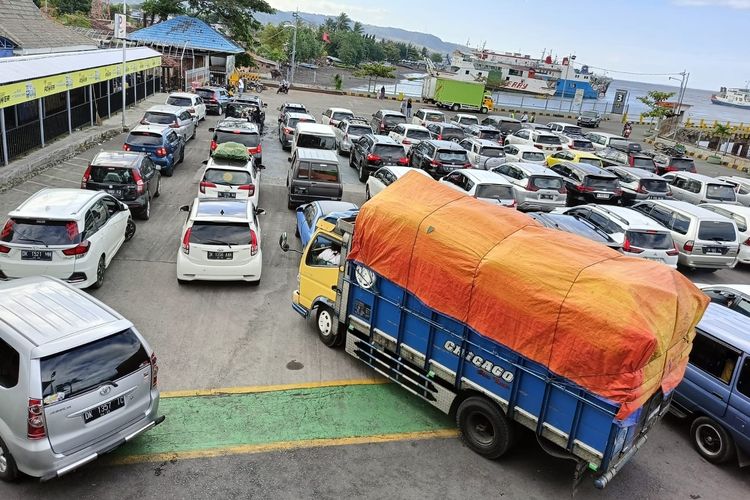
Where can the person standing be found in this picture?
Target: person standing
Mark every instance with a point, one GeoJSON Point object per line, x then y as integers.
{"type": "Point", "coordinates": [403, 107]}
{"type": "Point", "coordinates": [382, 92]}
{"type": "Point", "coordinates": [513, 114]}
{"type": "Point", "coordinates": [533, 118]}
{"type": "Point", "coordinates": [241, 86]}
{"type": "Point", "coordinates": [408, 108]}
{"type": "Point", "coordinates": [524, 118]}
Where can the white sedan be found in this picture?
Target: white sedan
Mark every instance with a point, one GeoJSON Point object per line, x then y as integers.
{"type": "Point", "coordinates": [193, 103]}
{"type": "Point", "coordinates": [385, 176]}
{"type": "Point", "coordinates": [228, 179]}
{"type": "Point", "coordinates": [410, 135]}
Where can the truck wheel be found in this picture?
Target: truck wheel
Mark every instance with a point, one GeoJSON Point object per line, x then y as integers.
{"type": "Point", "coordinates": [8, 469]}
{"type": "Point", "coordinates": [327, 326]}
{"type": "Point", "coordinates": [711, 440]}
{"type": "Point", "coordinates": [455, 107]}
{"type": "Point", "coordinates": [484, 427]}
{"type": "Point", "coordinates": [484, 110]}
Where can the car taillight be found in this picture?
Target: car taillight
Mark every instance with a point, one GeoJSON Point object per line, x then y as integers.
{"type": "Point", "coordinates": [641, 189]}
{"type": "Point", "coordinates": [531, 187]}
{"type": "Point", "coordinates": [86, 177]}
{"type": "Point", "coordinates": [154, 371]}
{"type": "Point", "coordinates": [4, 249]}
{"type": "Point", "coordinates": [174, 125]}
{"type": "Point", "coordinates": [288, 130]}
{"type": "Point", "coordinates": [213, 145]}
{"type": "Point", "coordinates": [627, 247]}
{"type": "Point", "coordinates": [468, 165]}
{"type": "Point", "coordinates": [79, 250]}
{"type": "Point", "coordinates": [213, 100]}
{"type": "Point", "coordinates": [35, 428]}
{"type": "Point", "coordinates": [139, 185]}
{"type": "Point", "coordinates": [688, 246]}
{"type": "Point", "coordinates": [186, 241]}
{"type": "Point", "coordinates": [403, 161]}
{"type": "Point", "coordinates": [674, 251]}
{"type": "Point", "coordinates": [406, 142]}
{"type": "Point", "coordinates": [126, 147]}
{"type": "Point", "coordinates": [382, 126]}
{"type": "Point", "coordinates": [250, 188]}
{"type": "Point", "coordinates": [671, 168]}
{"type": "Point", "coordinates": [562, 190]}
{"type": "Point", "coordinates": [257, 149]}
{"type": "Point", "coordinates": [617, 192]}
{"type": "Point", "coordinates": [436, 163]}
{"type": "Point", "coordinates": [253, 243]}
{"type": "Point", "coordinates": [205, 184]}
{"type": "Point", "coordinates": [7, 229]}
{"type": "Point", "coordinates": [372, 157]}
{"type": "Point", "coordinates": [161, 152]}
{"type": "Point", "coordinates": [191, 110]}
{"type": "Point", "coordinates": [585, 189]}
{"type": "Point", "coordinates": [440, 137]}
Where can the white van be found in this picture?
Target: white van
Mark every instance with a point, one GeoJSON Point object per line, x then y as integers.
{"type": "Point", "coordinates": [313, 136]}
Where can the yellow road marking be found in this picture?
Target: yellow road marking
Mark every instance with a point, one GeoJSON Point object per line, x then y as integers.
{"type": "Point", "coordinates": [270, 388]}
{"type": "Point", "coordinates": [285, 445]}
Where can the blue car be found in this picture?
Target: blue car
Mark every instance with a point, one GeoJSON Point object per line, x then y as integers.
{"type": "Point", "coordinates": [715, 393]}
{"type": "Point", "coordinates": [308, 215]}
{"type": "Point", "coordinates": [162, 144]}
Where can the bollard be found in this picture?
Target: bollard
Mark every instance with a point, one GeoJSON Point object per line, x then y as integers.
{"type": "Point", "coordinates": [703, 123]}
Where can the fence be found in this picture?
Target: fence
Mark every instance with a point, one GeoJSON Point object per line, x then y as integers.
{"type": "Point", "coordinates": [55, 125]}
{"type": "Point", "coordinates": [23, 138]}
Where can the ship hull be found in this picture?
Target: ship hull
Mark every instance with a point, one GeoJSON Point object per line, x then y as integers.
{"type": "Point", "coordinates": [567, 88]}
{"type": "Point", "coordinates": [720, 102]}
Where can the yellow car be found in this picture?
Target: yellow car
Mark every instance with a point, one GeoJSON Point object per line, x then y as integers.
{"type": "Point", "coordinates": [575, 157]}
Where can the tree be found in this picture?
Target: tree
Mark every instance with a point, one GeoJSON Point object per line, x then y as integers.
{"type": "Point", "coordinates": [343, 22]}
{"type": "Point", "coordinates": [436, 58]}
{"type": "Point", "coordinates": [159, 8]}
{"type": "Point", "coordinates": [236, 15]}
{"type": "Point", "coordinates": [653, 100]}
{"type": "Point", "coordinates": [722, 132]}
{"type": "Point", "coordinates": [358, 28]}
{"type": "Point", "coordinates": [374, 71]}
{"type": "Point", "coordinates": [71, 6]}
{"type": "Point", "coordinates": [424, 53]}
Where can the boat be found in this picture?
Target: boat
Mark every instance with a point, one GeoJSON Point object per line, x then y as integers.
{"type": "Point", "coordinates": [573, 79]}
{"type": "Point", "coordinates": [738, 98]}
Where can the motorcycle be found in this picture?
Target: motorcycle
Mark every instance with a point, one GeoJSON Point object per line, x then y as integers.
{"type": "Point", "coordinates": [256, 87]}
{"type": "Point", "coordinates": [283, 89]}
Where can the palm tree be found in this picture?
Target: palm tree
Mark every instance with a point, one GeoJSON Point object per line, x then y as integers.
{"type": "Point", "coordinates": [329, 26]}
{"type": "Point", "coordinates": [343, 22]}
{"type": "Point", "coordinates": [358, 28]}
{"type": "Point", "coordinates": [722, 132]}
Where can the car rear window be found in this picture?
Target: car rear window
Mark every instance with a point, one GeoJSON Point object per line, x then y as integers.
{"type": "Point", "coordinates": [492, 152]}
{"type": "Point", "coordinates": [532, 156]}
{"type": "Point", "coordinates": [572, 130]}
{"type": "Point", "coordinates": [319, 171]}
{"type": "Point", "coordinates": [111, 175]}
{"type": "Point", "coordinates": [434, 117]}
{"type": "Point", "coordinates": [420, 135]}
{"type": "Point", "coordinates": [342, 115]}
{"type": "Point", "coordinates": [393, 119]}
{"type": "Point", "coordinates": [205, 93]}
{"type": "Point", "coordinates": [657, 240]}
{"type": "Point", "coordinates": [159, 118]}
{"type": "Point", "coordinates": [40, 232]}
{"type": "Point", "coordinates": [239, 110]}
{"type": "Point", "coordinates": [644, 163]}
{"type": "Point", "coordinates": [543, 182]}
{"type": "Point", "coordinates": [292, 122]}
{"type": "Point", "coordinates": [295, 109]}
{"type": "Point", "coordinates": [721, 192]}
{"type": "Point", "coordinates": [509, 127]}
{"type": "Point", "coordinates": [495, 191]}
{"type": "Point", "coordinates": [449, 133]}
{"type": "Point", "coordinates": [316, 141]}
{"type": "Point", "coordinates": [228, 177]}
{"type": "Point", "coordinates": [250, 140]}
{"type": "Point", "coordinates": [716, 231]}
{"type": "Point", "coordinates": [490, 135]}
{"type": "Point", "coordinates": [597, 182]}
{"type": "Point", "coordinates": [144, 139]}
{"type": "Point", "coordinates": [682, 163]}
{"type": "Point", "coordinates": [654, 185]}
{"type": "Point", "coordinates": [591, 161]}
{"type": "Point", "coordinates": [452, 156]}
{"type": "Point", "coordinates": [548, 139]}
{"type": "Point", "coordinates": [220, 233]}
{"type": "Point", "coordinates": [390, 151]}
{"type": "Point", "coordinates": [88, 366]}
{"type": "Point", "coordinates": [469, 120]}
{"type": "Point", "coordinates": [180, 101]}
{"type": "Point", "coordinates": [358, 130]}
{"type": "Point", "coordinates": [582, 144]}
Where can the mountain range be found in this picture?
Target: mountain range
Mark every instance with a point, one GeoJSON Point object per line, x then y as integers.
{"type": "Point", "coordinates": [431, 42]}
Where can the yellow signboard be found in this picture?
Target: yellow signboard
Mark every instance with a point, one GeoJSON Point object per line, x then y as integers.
{"type": "Point", "coordinates": [20, 92]}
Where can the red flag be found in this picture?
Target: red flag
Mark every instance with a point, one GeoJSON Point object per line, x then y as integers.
{"type": "Point", "coordinates": [326, 38]}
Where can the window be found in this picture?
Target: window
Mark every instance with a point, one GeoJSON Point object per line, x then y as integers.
{"type": "Point", "coordinates": [680, 223]}
{"type": "Point", "coordinates": [717, 231]}
{"type": "Point", "coordinates": [661, 215]}
{"type": "Point", "coordinates": [309, 214]}
{"type": "Point", "coordinates": [172, 137]}
{"type": "Point", "coordinates": [9, 365]}
{"type": "Point", "coordinates": [743, 381]}
{"type": "Point", "coordinates": [602, 223]}
{"type": "Point", "coordinates": [324, 252]}
{"type": "Point", "coordinates": [159, 118]}
{"type": "Point", "coordinates": [112, 206]}
{"type": "Point", "coordinates": [713, 357]}
{"type": "Point", "coordinates": [220, 233]}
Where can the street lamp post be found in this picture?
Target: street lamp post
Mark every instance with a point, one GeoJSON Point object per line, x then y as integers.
{"type": "Point", "coordinates": [571, 58]}
{"type": "Point", "coordinates": [294, 47]}
{"type": "Point", "coordinates": [685, 76]}
{"type": "Point", "coordinates": [124, 62]}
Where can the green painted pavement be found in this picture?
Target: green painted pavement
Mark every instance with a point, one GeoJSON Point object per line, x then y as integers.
{"type": "Point", "coordinates": [211, 422]}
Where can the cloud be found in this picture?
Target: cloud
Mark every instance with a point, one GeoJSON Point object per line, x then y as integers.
{"type": "Point", "coordinates": [732, 4]}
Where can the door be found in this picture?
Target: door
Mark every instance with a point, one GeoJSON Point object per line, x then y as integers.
{"type": "Point", "coordinates": [95, 232]}
{"type": "Point", "coordinates": [738, 415]}
{"type": "Point", "coordinates": [117, 220]}
{"type": "Point", "coordinates": [710, 372]}
{"type": "Point", "coordinates": [319, 270]}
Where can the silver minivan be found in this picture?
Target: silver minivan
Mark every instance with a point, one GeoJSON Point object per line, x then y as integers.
{"type": "Point", "coordinates": [77, 379]}
{"type": "Point", "coordinates": [697, 188]}
{"type": "Point", "coordinates": [704, 239]}
{"type": "Point", "coordinates": [537, 188]}
{"type": "Point", "coordinates": [173, 117]}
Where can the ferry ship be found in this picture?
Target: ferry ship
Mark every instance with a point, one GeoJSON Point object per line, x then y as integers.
{"type": "Point", "coordinates": [572, 79]}
{"type": "Point", "coordinates": [738, 98]}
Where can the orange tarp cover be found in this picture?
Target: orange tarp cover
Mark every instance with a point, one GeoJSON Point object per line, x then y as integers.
{"type": "Point", "coordinates": [618, 326]}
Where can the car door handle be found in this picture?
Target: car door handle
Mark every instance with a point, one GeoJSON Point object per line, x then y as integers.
{"type": "Point", "coordinates": [717, 395]}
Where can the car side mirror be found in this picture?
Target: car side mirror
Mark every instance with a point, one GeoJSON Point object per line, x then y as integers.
{"type": "Point", "coordinates": [212, 129]}
{"type": "Point", "coordinates": [260, 211]}
{"type": "Point", "coordinates": [289, 159]}
{"type": "Point", "coordinates": [260, 167]}
{"type": "Point", "coordinates": [205, 162]}
{"type": "Point", "coordinates": [185, 208]}
{"type": "Point", "coordinates": [265, 105]}
{"type": "Point", "coordinates": [283, 243]}
{"type": "Point", "coordinates": [123, 207]}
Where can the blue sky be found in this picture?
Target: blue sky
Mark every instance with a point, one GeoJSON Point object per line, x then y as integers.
{"type": "Point", "coordinates": [708, 38]}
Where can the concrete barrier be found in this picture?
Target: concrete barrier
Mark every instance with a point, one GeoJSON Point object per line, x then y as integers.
{"type": "Point", "coordinates": [736, 163]}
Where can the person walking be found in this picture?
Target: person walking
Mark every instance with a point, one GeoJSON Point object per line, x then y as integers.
{"type": "Point", "coordinates": [256, 117]}
{"type": "Point", "coordinates": [533, 118]}
{"type": "Point", "coordinates": [524, 118]}
{"type": "Point", "coordinates": [382, 92]}
{"type": "Point", "coordinates": [403, 107]}
{"type": "Point", "coordinates": [408, 108]}
{"type": "Point", "coordinates": [513, 114]}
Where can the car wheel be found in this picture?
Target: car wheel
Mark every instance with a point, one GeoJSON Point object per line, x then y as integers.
{"type": "Point", "coordinates": [363, 174]}
{"type": "Point", "coordinates": [8, 469]}
{"type": "Point", "coordinates": [254, 282]}
{"type": "Point", "coordinates": [367, 192]}
{"type": "Point", "coordinates": [484, 428]}
{"type": "Point", "coordinates": [101, 267]}
{"type": "Point", "coordinates": [157, 193]}
{"type": "Point", "coordinates": [146, 212]}
{"type": "Point", "coordinates": [182, 155]}
{"type": "Point", "coordinates": [327, 326]}
{"type": "Point", "coordinates": [290, 204]}
{"type": "Point", "coordinates": [129, 229]}
{"type": "Point", "coordinates": [351, 159]}
{"type": "Point", "coordinates": [182, 282]}
{"type": "Point", "coordinates": [711, 440]}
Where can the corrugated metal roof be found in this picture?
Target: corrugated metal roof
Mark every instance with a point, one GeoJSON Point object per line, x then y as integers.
{"type": "Point", "coordinates": [183, 30]}
{"type": "Point", "coordinates": [22, 68]}
{"type": "Point", "coordinates": [22, 22]}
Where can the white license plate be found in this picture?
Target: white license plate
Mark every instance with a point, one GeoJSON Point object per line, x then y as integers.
{"type": "Point", "coordinates": [227, 194]}
{"type": "Point", "coordinates": [602, 195]}
{"type": "Point", "coordinates": [546, 197]}
{"type": "Point", "coordinates": [220, 255]}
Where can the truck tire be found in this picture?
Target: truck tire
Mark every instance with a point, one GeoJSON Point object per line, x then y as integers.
{"type": "Point", "coordinates": [484, 110]}
{"type": "Point", "coordinates": [711, 440]}
{"type": "Point", "coordinates": [484, 427]}
{"type": "Point", "coordinates": [327, 326]}
{"type": "Point", "coordinates": [456, 106]}
{"type": "Point", "coordinates": [8, 469]}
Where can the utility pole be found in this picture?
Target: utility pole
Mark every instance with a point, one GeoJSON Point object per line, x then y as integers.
{"type": "Point", "coordinates": [124, 61]}
{"type": "Point", "coordinates": [294, 46]}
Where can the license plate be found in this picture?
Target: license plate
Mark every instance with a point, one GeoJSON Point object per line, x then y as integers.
{"type": "Point", "coordinates": [103, 409]}
{"type": "Point", "coordinates": [602, 195]}
{"type": "Point", "coordinates": [654, 197]}
{"type": "Point", "coordinates": [227, 194]}
{"type": "Point", "coordinates": [117, 193]}
{"type": "Point", "coordinates": [713, 250]}
{"type": "Point", "coordinates": [36, 254]}
{"type": "Point", "coordinates": [220, 255]}
{"type": "Point", "coordinates": [545, 197]}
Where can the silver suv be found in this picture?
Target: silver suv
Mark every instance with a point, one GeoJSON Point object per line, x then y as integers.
{"type": "Point", "coordinates": [536, 187]}
{"type": "Point", "coordinates": [77, 380]}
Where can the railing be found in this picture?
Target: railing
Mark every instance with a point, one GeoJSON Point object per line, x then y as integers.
{"type": "Point", "coordinates": [55, 125]}
{"type": "Point", "coordinates": [22, 139]}
{"type": "Point", "coordinates": [101, 107]}
{"type": "Point", "coordinates": [80, 115]}
{"type": "Point", "coordinates": [130, 95]}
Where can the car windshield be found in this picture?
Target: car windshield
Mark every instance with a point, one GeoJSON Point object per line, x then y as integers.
{"type": "Point", "coordinates": [716, 231]}
{"type": "Point", "coordinates": [491, 152]}
{"type": "Point", "coordinates": [88, 366]}
{"type": "Point", "coordinates": [249, 140]}
{"type": "Point", "coordinates": [228, 177]}
{"type": "Point", "coordinates": [390, 151]}
{"type": "Point", "coordinates": [509, 127]}
{"type": "Point", "coordinates": [583, 144]}
{"type": "Point", "coordinates": [494, 191]}
{"type": "Point", "coordinates": [316, 141]}
{"type": "Point", "coordinates": [342, 115]}
{"type": "Point", "coordinates": [469, 120]}
{"type": "Point", "coordinates": [490, 135]}
{"type": "Point", "coordinates": [359, 130]}
{"type": "Point", "coordinates": [41, 232]}
{"type": "Point", "coordinates": [144, 139]}
{"type": "Point", "coordinates": [596, 182]}
{"type": "Point", "coordinates": [591, 161]}
{"type": "Point", "coordinates": [682, 164]}
{"type": "Point", "coordinates": [159, 118]}
{"type": "Point", "coordinates": [657, 240]}
{"type": "Point", "coordinates": [180, 101]}
{"type": "Point", "coordinates": [541, 182]}
{"type": "Point", "coordinates": [532, 156]}
{"type": "Point", "coordinates": [590, 114]}
{"type": "Point", "coordinates": [111, 175]}
{"type": "Point", "coordinates": [644, 163]}
{"type": "Point", "coordinates": [654, 185]}
{"type": "Point", "coordinates": [451, 156]}
{"type": "Point", "coordinates": [420, 135]}
{"type": "Point", "coordinates": [721, 192]}
{"type": "Point", "coordinates": [573, 130]}
{"type": "Point", "coordinates": [220, 233]}
{"type": "Point", "coordinates": [394, 119]}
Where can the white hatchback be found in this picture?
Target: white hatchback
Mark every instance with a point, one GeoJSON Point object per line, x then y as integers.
{"type": "Point", "coordinates": [482, 185]}
{"type": "Point", "coordinates": [70, 234]}
{"type": "Point", "coordinates": [220, 242]}
{"type": "Point", "coordinates": [524, 153]}
{"type": "Point", "coordinates": [230, 179]}
{"type": "Point", "coordinates": [193, 103]}
{"type": "Point", "coordinates": [741, 216]}
{"type": "Point", "coordinates": [409, 135]}
{"type": "Point", "coordinates": [385, 176]}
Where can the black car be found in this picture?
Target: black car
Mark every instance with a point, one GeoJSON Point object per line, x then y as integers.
{"type": "Point", "coordinates": [291, 107]}
{"type": "Point", "coordinates": [676, 164]}
{"type": "Point", "coordinates": [371, 152]}
{"type": "Point", "coordinates": [249, 100]}
{"type": "Point", "coordinates": [215, 98]}
{"type": "Point", "coordinates": [130, 177]}
{"type": "Point", "coordinates": [588, 183]}
{"type": "Point", "coordinates": [244, 133]}
{"type": "Point", "coordinates": [384, 120]}
{"type": "Point", "coordinates": [589, 119]}
{"type": "Point", "coordinates": [505, 124]}
{"type": "Point", "coordinates": [438, 158]}
{"type": "Point", "coordinates": [444, 131]}
{"type": "Point", "coordinates": [571, 224]}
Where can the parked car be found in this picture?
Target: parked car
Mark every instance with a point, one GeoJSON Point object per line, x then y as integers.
{"type": "Point", "coordinates": [574, 156]}
{"type": "Point", "coordinates": [482, 153]}
{"type": "Point", "coordinates": [537, 188]}
{"type": "Point", "coordinates": [636, 234]}
{"type": "Point", "coordinates": [675, 164]}
{"type": "Point", "coordinates": [505, 124]}
{"type": "Point", "coordinates": [77, 379]}
{"type": "Point", "coordinates": [485, 132]}
{"type": "Point", "coordinates": [69, 234]}
{"type": "Point", "coordinates": [638, 184]}
{"type": "Point", "coordinates": [241, 109]}
{"type": "Point", "coordinates": [132, 178]}
{"type": "Point", "coordinates": [291, 107]}
{"type": "Point", "coordinates": [734, 297]}
{"type": "Point", "coordinates": [384, 120]}
{"type": "Point", "coordinates": [215, 98]}
{"type": "Point", "coordinates": [253, 100]}
{"type": "Point", "coordinates": [424, 116]}
{"type": "Point", "coordinates": [613, 156]}
{"type": "Point", "coordinates": [576, 142]}
{"type": "Point", "coordinates": [698, 188]}
{"type": "Point", "coordinates": [442, 131]}
{"type": "Point", "coordinates": [313, 136]}
{"type": "Point", "coordinates": [546, 141]}
{"type": "Point", "coordinates": [464, 120]}
{"type": "Point", "coordinates": [741, 187]}
{"type": "Point", "coordinates": [193, 103]}
{"type": "Point", "coordinates": [589, 119]}
{"type": "Point", "coordinates": [588, 184]}
{"type": "Point", "coordinates": [313, 175]}
{"type": "Point", "coordinates": [245, 133]}
{"type": "Point", "coordinates": [348, 132]}
{"type": "Point", "coordinates": [173, 117]}
{"type": "Point", "coordinates": [385, 176]}
{"type": "Point", "coordinates": [371, 152]}
{"type": "Point", "coordinates": [409, 135]}
{"type": "Point", "coordinates": [574, 225]}
{"type": "Point", "coordinates": [332, 116]}
{"type": "Point", "coordinates": [741, 217]}
{"type": "Point", "coordinates": [482, 185]}
{"type": "Point", "coordinates": [524, 153]}
{"type": "Point", "coordinates": [309, 214]}
{"type": "Point", "coordinates": [602, 140]}
{"type": "Point", "coordinates": [230, 179]}
{"type": "Point", "coordinates": [438, 158]}
{"type": "Point", "coordinates": [705, 239]}
{"type": "Point", "coordinates": [715, 392]}
{"type": "Point", "coordinates": [287, 126]}
{"type": "Point", "coordinates": [567, 129]}
{"type": "Point", "coordinates": [163, 145]}
{"type": "Point", "coordinates": [221, 241]}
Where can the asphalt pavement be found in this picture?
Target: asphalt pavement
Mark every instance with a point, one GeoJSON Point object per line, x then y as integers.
{"type": "Point", "coordinates": [214, 339]}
